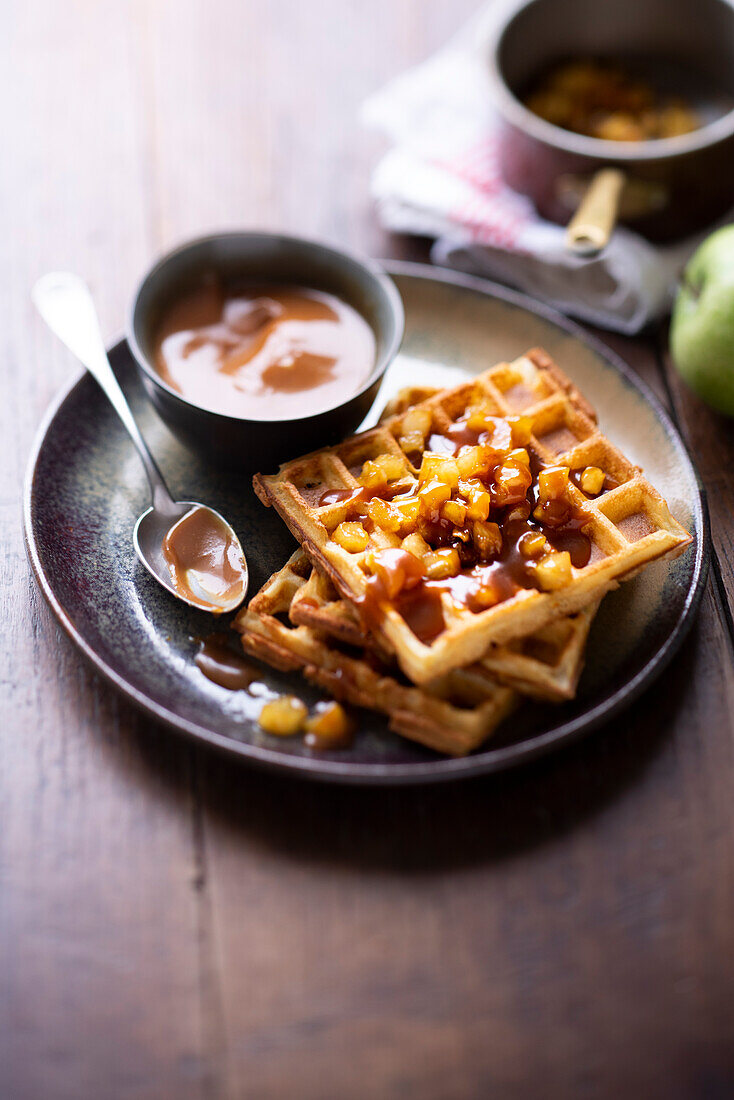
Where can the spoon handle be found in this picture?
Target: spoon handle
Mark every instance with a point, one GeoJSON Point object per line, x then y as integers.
{"type": "Point", "coordinates": [64, 302]}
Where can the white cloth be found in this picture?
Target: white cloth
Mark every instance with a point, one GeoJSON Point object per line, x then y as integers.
{"type": "Point", "coordinates": [440, 179]}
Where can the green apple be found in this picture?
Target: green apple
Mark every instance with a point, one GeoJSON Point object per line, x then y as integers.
{"type": "Point", "coordinates": [702, 330]}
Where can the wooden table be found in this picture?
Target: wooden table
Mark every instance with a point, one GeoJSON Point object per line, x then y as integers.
{"type": "Point", "coordinates": [174, 925]}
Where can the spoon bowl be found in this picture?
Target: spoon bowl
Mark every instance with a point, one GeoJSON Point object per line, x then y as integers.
{"type": "Point", "coordinates": [149, 536]}
{"type": "Point", "coordinates": [210, 552]}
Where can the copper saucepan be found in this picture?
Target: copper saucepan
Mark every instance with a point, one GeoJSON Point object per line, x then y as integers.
{"type": "Point", "coordinates": [663, 189]}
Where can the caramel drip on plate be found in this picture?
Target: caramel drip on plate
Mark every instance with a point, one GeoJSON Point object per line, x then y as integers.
{"type": "Point", "coordinates": [222, 665]}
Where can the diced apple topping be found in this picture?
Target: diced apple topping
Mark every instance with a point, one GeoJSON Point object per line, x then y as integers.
{"type": "Point", "coordinates": [513, 482]}
{"type": "Point", "coordinates": [408, 510]}
{"type": "Point", "coordinates": [453, 501]}
{"type": "Point", "coordinates": [432, 495]}
{"type": "Point", "coordinates": [484, 597]}
{"type": "Point", "coordinates": [376, 472]}
{"type": "Point", "coordinates": [487, 538]}
{"type": "Point", "coordinates": [519, 512]}
{"type": "Point", "coordinates": [477, 499]}
{"type": "Point", "coordinates": [415, 426]}
{"type": "Point", "coordinates": [283, 717]}
{"type": "Point", "coordinates": [522, 429]}
{"type": "Point", "coordinates": [411, 442]}
{"type": "Point", "coordinates": [520, 457]}
{"type": "Point", "coordinates": [383, 515]}
{"type": "Point", "coordinates": [397, 516]}
{"type": "Point", "coordinates": [417, 420]}
{"type": "Point", "coordinates": [532, 544]}
{"type": "Point", "coordinates": [330, 722]}
{"type": "Point", "coordinates": [592, 480]}
{"type": "Point", "coordinates": [554, 571]}
{"type": "Point", "coordinates": [454, 511]}
{"type": "Point", "coordinates": [416, 544]}
{"type": "Point", "coordinates": [351, 536]}
{"type": "Point", "coordinates": [435, 467]}
{"type": "Point", "coordinates": [443, 563]}
{"type": "Point", "coordinates": [552, 483]}
{"type": "Point", "coordinates": [479, 417]}
{"type": "Point", "coordinates": [475, 461]}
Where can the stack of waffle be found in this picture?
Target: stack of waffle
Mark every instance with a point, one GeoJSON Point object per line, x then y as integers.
{"type": "Point", "coordinates": [453, 558]}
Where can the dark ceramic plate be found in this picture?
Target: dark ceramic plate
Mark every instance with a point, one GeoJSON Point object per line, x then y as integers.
{"type": "Point", "coordinates": [86, 487]}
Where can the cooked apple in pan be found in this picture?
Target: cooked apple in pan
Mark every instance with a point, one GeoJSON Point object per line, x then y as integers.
{"type": "Point", "coordinates": [603, 100]}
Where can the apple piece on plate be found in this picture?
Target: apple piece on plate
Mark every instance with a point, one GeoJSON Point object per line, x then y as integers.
{"type": "Point", "coordinates": [702, 329]}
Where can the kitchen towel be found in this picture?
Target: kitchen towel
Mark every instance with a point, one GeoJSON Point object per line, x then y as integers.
{"type": "Point", "coordinates": [441, 179]}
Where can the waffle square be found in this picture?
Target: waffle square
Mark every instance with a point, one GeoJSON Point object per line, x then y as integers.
{"type": "Point", "coordinates": [545, 665]}
{"type": "Point", "coordinates": [628, 524]}
{"type": "Point", "coordinates": [454, 715]}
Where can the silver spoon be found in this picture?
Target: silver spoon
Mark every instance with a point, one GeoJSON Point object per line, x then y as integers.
{"type": "Point", "coordinates": [66, 305]}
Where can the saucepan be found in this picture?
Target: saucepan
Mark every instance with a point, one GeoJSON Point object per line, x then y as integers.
{"type": "Point", "coordinates": [663, 188]}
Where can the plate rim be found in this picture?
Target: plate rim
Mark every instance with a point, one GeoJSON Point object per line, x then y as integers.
{"type": "Point", "coordinates": [442, 769]}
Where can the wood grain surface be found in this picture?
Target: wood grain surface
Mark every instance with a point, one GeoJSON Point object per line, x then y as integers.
{"type": "Point", "coordinates": [173, 925]}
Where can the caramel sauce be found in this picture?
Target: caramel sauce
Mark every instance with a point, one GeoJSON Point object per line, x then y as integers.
{"type": "Point", "coordinates": [509, 572]}
{"type": "Point", "coordinates": [397, 571]}
{"type": "Point", "coordinates": [205, 560]}
{"type": "Point", "coordinates": [423, 612]}
{"type": "Point", "coordinates": [360, 495]}
{"type": "Point", "coordinates": [571, 538]}
{"type": "Point", "coordinates": [466, 588]}
{"type": "Point", "coordinates": [263, 353]}
{"type": "Point", "coordinates": [459, 435]}
{"type": "Point", "coordinates": [339, 496]}
{"type": "Point", "coordinates": [222, 665]}
{"type": "Point", "coordinates": [443, 445]}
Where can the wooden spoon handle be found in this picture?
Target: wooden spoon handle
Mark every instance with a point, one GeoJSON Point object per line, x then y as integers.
{"type": "Point", "coordinates": [590, 228]}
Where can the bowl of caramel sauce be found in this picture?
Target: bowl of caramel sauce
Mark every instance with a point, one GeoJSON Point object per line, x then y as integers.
{"type": "Point", "coordinates": [255, 347]}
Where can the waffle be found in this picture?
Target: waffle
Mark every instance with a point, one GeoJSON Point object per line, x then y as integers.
{"type": "Point", "coordinates": [545, 665]}
{"type": "Point", "coordinates": [405, 399]}
{"type": "Point", "coordinates": [455, 715]}
{"type": "Point", "coordinates": [627, 525]}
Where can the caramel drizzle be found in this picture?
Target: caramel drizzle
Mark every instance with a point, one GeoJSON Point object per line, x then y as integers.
{"type": "Point", "coordinates": [399, 580]}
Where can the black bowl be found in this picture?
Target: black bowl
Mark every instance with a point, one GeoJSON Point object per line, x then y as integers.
{"type": "Point", "coordinates": [263, 258]}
